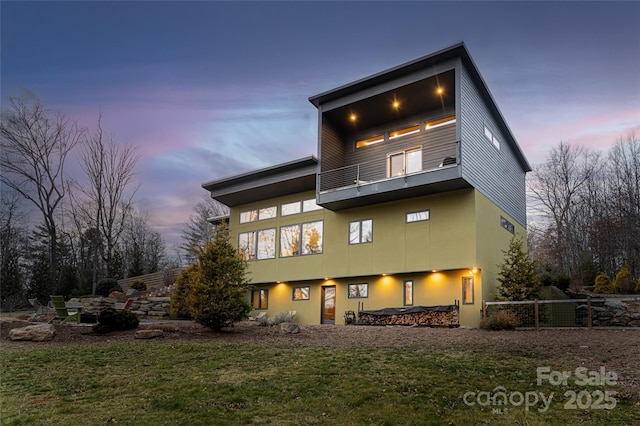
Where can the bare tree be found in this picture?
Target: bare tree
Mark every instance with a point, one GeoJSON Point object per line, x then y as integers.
{"type": "Point", "coordinates": [13, 245]}
{"type": "Point", "coordinates": [144, 248]}
{"type": "Point", "coordinates": [624, 192]}
{"type": "Point", "coordinates": [109, 169]}
{"type": "Point", "coordinates": [199, 230]}
{"type": "Point", "coordinates": [35, 145]}
{"type": "Point", "coordinates": [559, 185]}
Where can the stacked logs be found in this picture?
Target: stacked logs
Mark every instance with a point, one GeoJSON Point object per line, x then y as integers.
{"type": "Point", "coordinates": [425, 318]}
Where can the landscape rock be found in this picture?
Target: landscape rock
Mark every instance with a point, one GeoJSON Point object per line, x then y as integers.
{"type": "Point", "coordinates": [148, 334]}
{"type": "Point", "coordinates": [289, 327]}
{"type": "Point", "coordinates": [35, 333]}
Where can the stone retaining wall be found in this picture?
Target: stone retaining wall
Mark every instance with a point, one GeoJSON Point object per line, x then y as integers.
{"type": "Point", "coordinates": [611, 313]}
{"type": "Point", "coordinates": [144, 307]}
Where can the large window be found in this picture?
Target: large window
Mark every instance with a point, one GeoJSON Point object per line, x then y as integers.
{"type": "Point", "coordinates": [360, 290]}
{"type": "Point", "coordinates": [312, 237]}
{"type": "Point", "coordinates": [258, 244]}
{"type": "Point", "coordinates": [405, 162]}
{"type": "Point", "coordinates": [266, 244]}
{"type": "Point", "coordinates": [467, 290]}
{"type": "Point", "coordinates": [260, 299]}
{"type": "Point", "coordinates": [247, 245]}
{"type": "Point", "coordinates": [361, 231]}
{"type": "Point", "coordinates": [408, 293]}
{"type": "Point", "coordinates": [301, 293]}
{"type": "Point", "coordinates": [301, 239]}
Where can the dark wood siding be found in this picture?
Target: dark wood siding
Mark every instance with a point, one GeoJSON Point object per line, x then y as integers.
{"type": "Point", "coordinates": [332, 153]}
{"type": "Point", "coordinates": [436, 144]}
{"type": "Point", "coordinates": [495, 173]}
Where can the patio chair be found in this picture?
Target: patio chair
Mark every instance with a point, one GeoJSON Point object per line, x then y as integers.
{"type": "Point", "coordinates": [62, 313]}
{"type": "Point", "coordinates": [123, 306]}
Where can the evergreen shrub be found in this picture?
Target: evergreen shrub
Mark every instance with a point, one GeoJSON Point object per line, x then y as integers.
{"type": "Point", "coordinates": [115, 320]}
{"type": "Point", "coordinates": [106, 286]}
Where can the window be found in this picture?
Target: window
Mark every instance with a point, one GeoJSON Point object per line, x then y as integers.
{"type": "Point", "coordinates": [268, 213]}
{"type": "Point", "coordinates": [418, 216]}
{"type": "Point", "coordinates": [301, 239]}
{"type": "Point", "coordinates": [301, 293]}
{"type": "Point", "coordinates": [312, 238]}
{"type": "Point", "coordinates": [404, 132]}
{"type": "Point", "coordinates": [507, 225]}
{"type": "Point", "coordinates": [439, 122]}
{"type": "Point", "coordinates": [357, 291]}
{"type": "Point", "coordinates": [401, 163]}
{"type": "Point", "coordinates": [249, 216]}
{"type": "Point", "coordinates": [369, 141]}
{"type": "Point", "coordinates": [257, 244]}
{"type": "Point", "coordinates": [289, 240]}
{"type": "Point", "coordinates": [260, 299]}
{"type": "Point", "coordinates": [492, 137]}
{"type": "Point", "coordinates": [408, 293]}
{"type": "Point", "coordinates": [266, 244]}
{"type": "Point", "coordinates": [361, 231]}
{"type": "Point", "coordinates": [261, 214]}
{"type": "Point", "coordinates": [290, 208]}
{"type": "Point", "coordinates": [467, 290]}
{"type": "Point", "coordinates": [247, 245]}
{"type": "Point", "coordinates": [310, 205]}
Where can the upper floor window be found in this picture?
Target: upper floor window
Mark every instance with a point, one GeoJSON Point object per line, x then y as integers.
{"type": "Point", "coordinates": [301, 239]}
{"type": "Point", "coordinates": [439, 122]}
{"type": "Point", "coordinates": [249, 216]}
{"type": "Point", "coordinates": [418, 216]}
{"type": "Point", "coordinates": [370, 141]}
{"type": "Point", "coordinates": [258, 214]}
{"type": "Point", "coordinates": [492, 137]}
{"type": "Point", "coordinates": [404, 131]}
{"type": "Point", "coordinates": [299, 207]}
{"type": "Point", "coordinates": [404, 162]}
{"type": "Point", "coordinates": [258, 244]}
{"type": "Point", "coordinates": [361, 231]}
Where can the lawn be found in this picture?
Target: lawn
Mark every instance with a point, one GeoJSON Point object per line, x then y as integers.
{"type": "Point", "coordinates": [208, 382]}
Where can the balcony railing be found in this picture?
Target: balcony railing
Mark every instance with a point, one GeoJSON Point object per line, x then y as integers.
{"type": "Point", "coordinates": [356, 175]}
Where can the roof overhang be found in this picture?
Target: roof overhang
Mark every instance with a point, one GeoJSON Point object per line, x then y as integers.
{"type": "Point", "coordinates": [276, 181]}
{"type": "Point", "coordinates": [432, 60]}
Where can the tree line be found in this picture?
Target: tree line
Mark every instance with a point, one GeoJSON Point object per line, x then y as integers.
{"type": "Point", "coordinates": [584, 213]}
{"type": "Point", "coordinates": [60, 233]}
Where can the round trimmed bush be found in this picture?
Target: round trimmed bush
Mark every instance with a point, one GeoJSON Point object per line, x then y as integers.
{"type": "Point", "coordinates": [106, 286]}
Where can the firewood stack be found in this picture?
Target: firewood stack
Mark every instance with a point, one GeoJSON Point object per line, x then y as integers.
{"type": "Point", "coordinates": [431, 318]}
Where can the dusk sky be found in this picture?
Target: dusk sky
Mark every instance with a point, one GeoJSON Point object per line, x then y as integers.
{"type": "Point", "coordinates": [206, 89]}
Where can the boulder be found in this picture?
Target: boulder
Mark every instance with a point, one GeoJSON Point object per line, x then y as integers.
{"type": "Point", "coordinates": [289, 327]}
{"type": "Point", "coordinates": [35, 333]}
{"type": "Point", "coordinates": [148, 334]}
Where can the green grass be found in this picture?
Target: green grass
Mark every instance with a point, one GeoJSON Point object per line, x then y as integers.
{"type": "Point", "coordinates": [204, 383]}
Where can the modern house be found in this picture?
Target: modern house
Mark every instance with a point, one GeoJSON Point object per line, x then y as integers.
{"type": "Point", "coordinates": [417, 187]}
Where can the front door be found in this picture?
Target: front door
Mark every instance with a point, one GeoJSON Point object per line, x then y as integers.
{"type": "Point", "coordinates": [328, 313]}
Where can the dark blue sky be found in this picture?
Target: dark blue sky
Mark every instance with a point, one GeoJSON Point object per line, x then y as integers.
{"type": "Point", "coordinates": [210, 89]}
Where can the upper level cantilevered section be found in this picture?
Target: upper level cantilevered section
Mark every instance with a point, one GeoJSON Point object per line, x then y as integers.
{"type": "Point", "coordinates": [402, 133]}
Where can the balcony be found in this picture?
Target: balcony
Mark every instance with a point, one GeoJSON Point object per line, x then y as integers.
{"type": "Point", "coordinates": [375, 181]}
